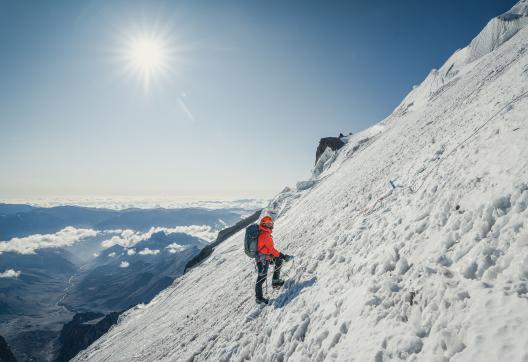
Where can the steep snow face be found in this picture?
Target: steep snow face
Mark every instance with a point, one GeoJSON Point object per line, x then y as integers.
{"type": "Point", "coordinates": [432, 269]}
{"type": "Point", "coordinates": [498, 31]}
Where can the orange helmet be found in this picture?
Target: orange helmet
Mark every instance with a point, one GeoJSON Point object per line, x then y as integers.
{"type": "Point", "coordinates": [265, 220]}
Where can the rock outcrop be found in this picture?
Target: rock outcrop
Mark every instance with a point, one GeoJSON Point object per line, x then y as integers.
{"type": "Point", "coordinates": [5, 353]}
{"type": "Point", "coordinates": [334, 143]}
{"type": "Point", "coordinates": [82, 331]}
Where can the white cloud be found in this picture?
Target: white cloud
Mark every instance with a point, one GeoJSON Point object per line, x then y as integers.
{"type": "Point", "coordinates": [131, 251]}
{"type": "Point", "coordinates": [147, 251]}
{"type": "Point", "coordinates": [174, 248]}
{"type": "Point", "coordinates": [128, 238]}
{"type": "Point", "coordinates": [65, 237]}
{"type": "Point", "coordinates": [203, 232]}
{"type": "Point", "coordinates": [10, 273]}
{"type": "Point", "coordinates": [124, 264]}
{"type": "Point", "coordinates": [112, 254]}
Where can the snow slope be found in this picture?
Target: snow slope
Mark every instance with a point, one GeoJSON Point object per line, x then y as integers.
{"type": "Point", "coordinates": [433, 270]}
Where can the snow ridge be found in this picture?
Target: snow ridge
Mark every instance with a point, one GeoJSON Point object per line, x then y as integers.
{"type": "Point", "coordinates": [431, 268]}
{"type": "Point", "coordinates": [497, 32]}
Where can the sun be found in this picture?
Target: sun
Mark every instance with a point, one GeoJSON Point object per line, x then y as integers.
{"type": "Point", "coordinates": [154, 53]}
{"type": "Point", "coordinates": [147, 57]}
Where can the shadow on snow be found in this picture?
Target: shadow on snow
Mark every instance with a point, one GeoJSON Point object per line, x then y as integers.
{"type": "Point", "coordinates": [292, 291]}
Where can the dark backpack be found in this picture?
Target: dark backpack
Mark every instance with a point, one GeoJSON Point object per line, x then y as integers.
{"type": "Point", "coordinates": [251, 240]}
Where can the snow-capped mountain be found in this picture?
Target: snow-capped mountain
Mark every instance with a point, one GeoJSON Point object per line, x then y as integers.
{"type": "Point", "coordinates": [410, 241]}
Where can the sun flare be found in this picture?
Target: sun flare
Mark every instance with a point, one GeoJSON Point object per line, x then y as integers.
{"type": "Point", "coordinates": [147, 57]}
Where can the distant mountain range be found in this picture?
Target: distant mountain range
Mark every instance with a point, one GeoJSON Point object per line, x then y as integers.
{"type": "Point", "coordinates": [51, 284]}
{"type": "Point", "coordinates": [116, 280]}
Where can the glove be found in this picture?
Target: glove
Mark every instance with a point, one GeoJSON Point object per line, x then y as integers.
{"type": "Point", "coordinates": [285, 257]}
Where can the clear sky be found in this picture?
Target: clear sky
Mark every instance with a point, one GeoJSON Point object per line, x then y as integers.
{"type": "Point", "coordinates": [246, 90]}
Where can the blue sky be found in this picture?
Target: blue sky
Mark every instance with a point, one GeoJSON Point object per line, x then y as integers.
{"type": "Point", "coordinates": [252, 87]}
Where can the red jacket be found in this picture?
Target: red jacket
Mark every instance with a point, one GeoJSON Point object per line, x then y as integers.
{"type": "Point", "coordinates": [265, 242]}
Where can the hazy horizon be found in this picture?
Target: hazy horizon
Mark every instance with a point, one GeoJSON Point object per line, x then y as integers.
{"type": "Point", "coordinates": [121, 203]}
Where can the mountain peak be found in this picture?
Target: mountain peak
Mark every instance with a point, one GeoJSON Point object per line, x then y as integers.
{"type": "Point", "coordinates": [499, 30]}
{"type": "Point", "coordinates": [518, 10]}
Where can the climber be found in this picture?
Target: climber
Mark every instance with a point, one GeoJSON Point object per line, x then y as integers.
{"type": "Point", "coordinates": [266, 254]}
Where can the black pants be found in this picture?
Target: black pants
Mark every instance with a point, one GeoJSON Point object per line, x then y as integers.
{"type": "Point", "coordinates": [262, 269]}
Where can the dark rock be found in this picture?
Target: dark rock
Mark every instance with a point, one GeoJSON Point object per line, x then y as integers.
{"type": "Point", "coordinates": [222, 235]}
{"type": "Point", "coordinates": [5, 352]}
{"type": "Point", "coordinates": [82, 331]}
{"type": "Point", "coordinates": [334, 143]}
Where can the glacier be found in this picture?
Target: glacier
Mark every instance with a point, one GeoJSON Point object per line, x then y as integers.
{"type": "Point", "coordinates": [410, 242]}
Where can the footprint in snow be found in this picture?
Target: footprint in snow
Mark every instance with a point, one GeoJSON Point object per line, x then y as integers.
{"type": "Point", "coordinates": [254, 314]}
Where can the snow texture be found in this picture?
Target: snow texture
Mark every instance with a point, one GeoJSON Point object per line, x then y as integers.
{"type": "Point", "coordinates": [431, 268]}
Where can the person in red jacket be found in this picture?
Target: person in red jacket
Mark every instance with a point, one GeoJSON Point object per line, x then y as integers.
{"type": "Point", "coordinates": [266, 254]}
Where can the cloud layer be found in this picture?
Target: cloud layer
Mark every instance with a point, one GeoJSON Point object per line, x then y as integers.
{"type": "Point", "coordinates": [128, 238]}
{"type": "Point", "coordinates": [125, 238]}
{"type": "Point", "coordinates": [65, 237]}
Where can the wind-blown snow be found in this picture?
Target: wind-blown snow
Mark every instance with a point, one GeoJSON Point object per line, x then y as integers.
{"type": "Point", "coordinates": [432, 269]}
